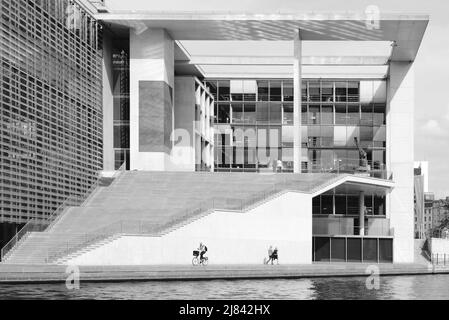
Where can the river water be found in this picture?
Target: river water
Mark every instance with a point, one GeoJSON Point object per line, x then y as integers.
{"type": "Point", "coordinates": [394, 287]}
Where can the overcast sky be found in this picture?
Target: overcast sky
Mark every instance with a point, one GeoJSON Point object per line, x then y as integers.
{"type": "Point", "coordinates": [432, 63]}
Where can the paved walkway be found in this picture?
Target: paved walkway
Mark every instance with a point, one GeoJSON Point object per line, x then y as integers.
{"type": "Point", "coordinates": [55, 273]}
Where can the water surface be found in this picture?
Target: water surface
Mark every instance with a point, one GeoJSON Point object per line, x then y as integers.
{"type": "Point", "coordinates": [394, 287]}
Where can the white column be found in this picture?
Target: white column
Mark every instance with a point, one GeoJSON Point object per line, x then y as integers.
{"type": "Point", "coordinates": [362, 213]}
{"type": "Point", "coordinates": [151, 70]}
{"type": "Point", "coordinates": [400, 149]}
{"type": "Point", "coordinates": [297, 77]}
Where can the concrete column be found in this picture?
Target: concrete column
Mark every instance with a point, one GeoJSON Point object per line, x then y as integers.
{"type": "Point", "coordinates": [151, 99]}
{"type": "Point", "coordinates": [362, 213]}
{"type": "Point", "coordinates": [297, 77]}
{"type": "Point", "coordinates": [400, 149]}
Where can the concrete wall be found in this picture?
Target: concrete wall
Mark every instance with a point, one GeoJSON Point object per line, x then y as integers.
{"type": "Point", "coordinates": [183, 155]}
{"type": "Point", "coordinates": [231, 237]}
{"type": "Point", "coordinates": [151, 59]}
{"type": "Point", "coordinates": [400, 148]}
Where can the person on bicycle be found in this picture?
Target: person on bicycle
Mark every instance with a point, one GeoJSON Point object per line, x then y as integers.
{"type": "Point", "coordinates": [275, 256]}
{"type": "Point", "coordinates": [202, 249]}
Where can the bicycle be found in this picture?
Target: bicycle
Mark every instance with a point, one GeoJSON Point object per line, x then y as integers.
{"type": "Point", "coordinates": [197, 260]}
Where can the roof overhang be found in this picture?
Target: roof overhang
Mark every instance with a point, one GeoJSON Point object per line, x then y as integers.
{"type": "Point", "coordinates": [350, 184]}
{"type": "Point", "coordinates": [406, 31]}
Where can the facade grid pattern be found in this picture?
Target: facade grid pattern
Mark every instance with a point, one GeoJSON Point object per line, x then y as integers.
{"type": "Point", "coordinates": [51, 107]}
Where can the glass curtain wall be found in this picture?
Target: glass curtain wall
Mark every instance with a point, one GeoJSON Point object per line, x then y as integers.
{"type": "Point", "coordinates": [253, 124]}
{"type": "Point", "coordinates": [332, 116]}
{"type": "Point", "coordinates": [120, 69]}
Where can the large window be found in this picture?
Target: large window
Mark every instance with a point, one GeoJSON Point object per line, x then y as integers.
{"type": "Point", "coordinates": [352, 249]}
{"type": "Point", "coordinates": [348, 204]}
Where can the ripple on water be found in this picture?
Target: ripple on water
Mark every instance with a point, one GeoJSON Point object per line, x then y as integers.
{"type": "Point", "coordinates": [399, 287]}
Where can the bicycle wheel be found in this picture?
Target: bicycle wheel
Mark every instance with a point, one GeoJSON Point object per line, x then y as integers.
{"type": "Point", "coordinates": [195, 261]}
{"type": "Point", "coordinates": [205, 262]}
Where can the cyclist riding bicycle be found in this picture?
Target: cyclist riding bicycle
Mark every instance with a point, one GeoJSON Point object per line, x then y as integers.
{"type": "Point", "coordinates": [202, 249]}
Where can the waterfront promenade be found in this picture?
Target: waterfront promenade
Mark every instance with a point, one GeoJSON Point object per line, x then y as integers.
{"type": "Point", "coordinates": [57, 273]}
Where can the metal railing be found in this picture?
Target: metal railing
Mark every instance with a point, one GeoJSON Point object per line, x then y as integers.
{"type": "Point", "coordinates": [39, 225]}
{"type": "Point", "coordinates": [440, 259]}
{"type": "Point", "coordinates": [351, 166]}
{"type": "Point", "coordinates": [142, 227]}
{"type": "Point", "coordinates": [345, 227]}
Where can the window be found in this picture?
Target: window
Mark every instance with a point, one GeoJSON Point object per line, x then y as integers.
{"type": "Point", "coordinates": [237, 113]}
{"type": "Point", "coordinates": [236, 90]}
{"type": "Point", "coordinates": [341, 92]}
{"type": "Point", "coordinates": [213, 89]}
{"type": "Point", "coordinates": [314, 91]}
{"type": "Point", "coordinates": [353, 115]}
{"type": "Point", "coordinates": [338, 252]}
{"type": "Point", "coordinates": [385, 250]}
{"type": "Point", "coordinates": [288, 114]}
{"type": "Point", "coordinates": [340, 114]}
{"type": "Point", "coordinates": [327, 92]}
{"type": "Point", "coordinates": [322, 249]}
{"type": "Point", "coordinates": [275, 113]}
{"type": "Point", "coordinates": [379, 112]}
{"type": "Point", "coordinates": [366, 115]}
{"type": "Point", "coordinates": [250, 113]}
{"type": "Point", "coordinates": [354, 250]}
{"type": "Point", "coordinates": [262, 113]}
{"type": "Point", "coordinates": [288, 90]}
{"type": "Point", "coordinates": [262, 90]}
{"type": "Point", "coordinates": [340, 204]}
{"type": "Point", "coordinates": [379, 206]}
{"type": "Point", "coordinates": [314, 114]}
{"type": "Point", "coordinates": [327, 114]}
{"type": "Point", "coordinates": [369, 250]}
{"type": "Point", "coordinates": [224, 113]}
{"type": "Point", "coordinates": [223, 90]}
{"type": "Point", "coordinates": [327, 204]}
{"type": "Point", "coordinates": [275, 91]}
{"type": "Point", "coordinates": [353, 91]}
{"type": "Point", "coordinates": [316, 205]}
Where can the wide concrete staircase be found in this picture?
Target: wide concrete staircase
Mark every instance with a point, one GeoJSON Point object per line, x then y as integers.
{"type": "Point", "coordinates": [155, 203]}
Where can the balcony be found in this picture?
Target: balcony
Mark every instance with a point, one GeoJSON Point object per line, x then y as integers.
{"type": "Point", "coordinates": [346, 226]}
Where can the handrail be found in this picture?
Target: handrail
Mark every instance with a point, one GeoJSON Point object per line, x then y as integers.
{"type": "Point", "coordinates": [38, 225]}
{"type": "Point", "coordinates": [202, 209]}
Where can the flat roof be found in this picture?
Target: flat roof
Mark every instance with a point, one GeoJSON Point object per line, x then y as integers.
{"type": "Point", "coordinates": [406, 31]}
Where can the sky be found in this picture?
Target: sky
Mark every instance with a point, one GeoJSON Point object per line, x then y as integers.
{"type": "Point", "coordinates": [431, 65]}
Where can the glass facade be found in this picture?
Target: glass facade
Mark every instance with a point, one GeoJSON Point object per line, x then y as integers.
{"type": "Point", "coordinates": [261, 112]}
{"type": "Point", "coordinates": [51, 107]}
{"type": "Point", "coordinates": [347, 204]}
{"type": "Point", "coordinates": [120, 70]}
{"type": "Point", "coordinates": [253, 124]}
{"type": "Point", "coordinates": [352, 249]}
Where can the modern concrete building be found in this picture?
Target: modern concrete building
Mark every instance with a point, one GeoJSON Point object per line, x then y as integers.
{"type": "Point", "coordinates": [325, 100]}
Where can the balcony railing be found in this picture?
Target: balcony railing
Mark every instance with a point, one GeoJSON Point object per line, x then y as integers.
{"type": "Point", "coordinates": [374, 169]}
{"type": "Point", "coordinates": [342, 226]}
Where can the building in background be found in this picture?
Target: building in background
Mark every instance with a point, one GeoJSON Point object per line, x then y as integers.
{"type": "Point", "coordinates": [421, 187]}
{"type": "Point", "coordinates": [50, 108]}
{"type": "Point", "coordinates": [440, 214]}
{"type": "Point", "coordinates": [428, 223]}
